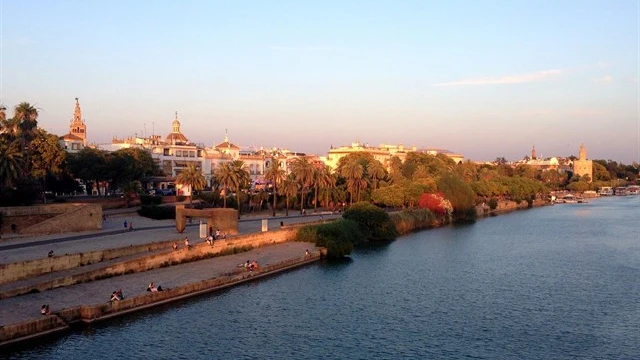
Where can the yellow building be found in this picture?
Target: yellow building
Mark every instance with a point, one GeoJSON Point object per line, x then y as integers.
{"type": "Point", "coordinates": [582, 166]}
{"type": "Point", "coordinates": [383, 153]}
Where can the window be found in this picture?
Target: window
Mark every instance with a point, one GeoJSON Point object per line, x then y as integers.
{"type": "Point", "coordinates": [192, 154]}
{"type": "Point", "coordinates": [178, 152]}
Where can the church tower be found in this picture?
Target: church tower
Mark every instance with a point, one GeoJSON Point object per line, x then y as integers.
{"type": "Point", "coordinates": [77, 127]}
{"type": "Point", "coordinates": [533, 153]}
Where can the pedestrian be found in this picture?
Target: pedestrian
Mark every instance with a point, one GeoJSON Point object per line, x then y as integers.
{"type": "Point", "coordinates": [125, 224]}
{"type": "Point", "coordinates": [131, 226]}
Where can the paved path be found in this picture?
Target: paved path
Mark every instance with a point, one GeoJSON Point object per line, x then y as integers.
{"type": "Point", "coordinates": [26, 307]}
{"type": "Point", "coordinates": [112, 236]}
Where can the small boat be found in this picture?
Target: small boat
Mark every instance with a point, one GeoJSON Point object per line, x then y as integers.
{"type": "Point", "coordinates": [605, 191]}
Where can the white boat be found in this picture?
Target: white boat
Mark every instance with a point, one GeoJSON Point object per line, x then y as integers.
{"type": "Point", "coordinates": [621, 191]}
{"type": "Point", "coordinates": [605, 191]}
{"type": "Point", "coordinates": [633, 190]}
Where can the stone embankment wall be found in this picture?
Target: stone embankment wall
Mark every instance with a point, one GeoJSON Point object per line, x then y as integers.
{"type": "Point", "coordinates": [51, 219]}
{"type": "Point", "coordinates": [29, 268]}
{"type": "Point", "coordinates": [61, 320]}
{"type": "Point", "coordinates": [163, 259]}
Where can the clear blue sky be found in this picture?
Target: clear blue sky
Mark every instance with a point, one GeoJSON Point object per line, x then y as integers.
{"type": "Point", "coordinates": [483, 78]}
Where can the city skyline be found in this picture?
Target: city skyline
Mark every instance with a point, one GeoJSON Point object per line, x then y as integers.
{"type": "Point", "coordinates": [485, 79]}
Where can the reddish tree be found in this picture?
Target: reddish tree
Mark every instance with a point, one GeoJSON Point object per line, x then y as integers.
{"type": "Point", "coordinates": [434, 202]}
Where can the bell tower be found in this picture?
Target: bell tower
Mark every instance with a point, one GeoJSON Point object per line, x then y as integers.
{"type": "Point", "coordinates": [77, 127]}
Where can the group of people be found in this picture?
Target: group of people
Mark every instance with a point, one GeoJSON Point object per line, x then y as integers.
{"type": "Point", "coordinates": [117, 295]}
{"type": "Point", "coordinates": [215, 236]}
{"type": "Point", "coordinates": [152, 287]}
{"type": "Point", "coordinates": [250, 265]}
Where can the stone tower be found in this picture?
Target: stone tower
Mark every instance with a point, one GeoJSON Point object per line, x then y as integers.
{"type": "Point", "coordinates": [533, 153]}
{"type": "Point", "coordinates": [78, 127]}
{"type": "Point", "coordinates": [582, 166]}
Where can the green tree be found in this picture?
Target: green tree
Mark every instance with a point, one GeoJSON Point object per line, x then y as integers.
{"type": "Point", "coordinates": [240, 179]}
{"type": "Point", "coordinates": [224, 176]}
{"type": "Point", "coordinates": [89, 165]}
{"type": "Point", "coordinates": [47, 158]}
{"type": "Point", "coordinates": [376, 172]}
{"type": "Point", "coordinates": [459, 193]}
{"type": "Point", "coordinates": [11, 162]}
{"type": "Point", "coordinates": [392, 195]}
{"type": "Point", "coordinates": [289, 189]}
{"type": "Point", "coordinates": [275, 174]}
{"type": "Point", "coordinates": [23, 125]}
{"type": "Point", "coordinates": [302, 171]}
{"type": "Point", "coordinates": [325, 182]}
{"type": "Point", "coordinates": [353, 171]}
{"type": "Point", "coordinates": [193, 178]}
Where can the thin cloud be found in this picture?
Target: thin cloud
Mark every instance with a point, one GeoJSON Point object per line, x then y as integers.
{"type": "Point", "coordinates": [509, 79]}
{"type": "Point", "coordinates": [300, 48]}
{"type": "Point", "coordinates": [603, 80]}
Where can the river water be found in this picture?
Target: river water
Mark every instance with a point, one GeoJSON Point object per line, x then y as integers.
{"type": "Point", "coordinates": [560, 282]}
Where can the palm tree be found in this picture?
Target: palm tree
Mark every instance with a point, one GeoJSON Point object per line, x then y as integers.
{"type": "Point", "coordinates": [10, 162]}
{"type": "Point", "coordinates": [302, 171]}
{"type": "Point", "coordinates": [240, 178]}
{"type": "Point", "coordinates": [193, 178]}
{"type": "Point", "coordinates": [23, 126]}
{"type": "Point", "coordinates": [353, 171]}
{"type": "Point", "coordinates": [376, 172]}
{"type": "Point", "coordinates": [323, 181]}
{"type": "Point", "coordinates": [289, 188]}
{"type": "Point", "coordinates": [275, 174]}
{"type": "Point", "coordinates": [224, 176]}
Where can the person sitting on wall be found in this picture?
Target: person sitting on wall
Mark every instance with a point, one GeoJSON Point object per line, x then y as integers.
{"type": "Point", "coordinates": [50, 254]}
{"type": "Point", "coordinates": [218, 234]}
{"type": "Point", "coordinates": [153, 288]}
{"type": "Point", "coordinates": [114, 296]}
{"type": "Point", "coordinates": [175, 245]}
{"type": "Point", "coordinates": [119, 294]}
{"type": "Point", "coordinates": [186, 242]}
{"type": "Point", "coordinates": [44, 310]}
{"type": "Point", "coordinates": [210, 240]}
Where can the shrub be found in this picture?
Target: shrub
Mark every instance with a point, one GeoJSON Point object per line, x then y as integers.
{"type": "Point", "coordinates": [150, 200]}
{"type": "Point", "coordinates": [307, 233]}
{"type": "Point", "coordinates": [493, 203]}
{"type": "Point", "coordinates": [181, 198]}
{"type": "Point", "coordinates": [338, 237]}
{"type": "Point", "coordinates": [409, 220]}
{"type": "Point", "coordinates": [374, 222]}
{"type": "Point", "coordinates": [158, 212]}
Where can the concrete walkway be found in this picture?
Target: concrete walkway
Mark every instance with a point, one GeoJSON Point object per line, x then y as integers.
{"type": "Point", "coordinates": [26, 307]}
{"type": "Point", "coordinates": [113, 235]}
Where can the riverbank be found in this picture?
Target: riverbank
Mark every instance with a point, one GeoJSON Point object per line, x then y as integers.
{"type": "Point", "coordinates": [63, 319]}
{"type": "Point", "coordinates": [16, 332]}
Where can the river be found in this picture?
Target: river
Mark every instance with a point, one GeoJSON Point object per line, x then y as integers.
{"type": "Point", "coordinates": [559, 282]}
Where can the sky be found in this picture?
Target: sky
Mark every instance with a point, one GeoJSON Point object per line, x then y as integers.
{"type": "Point", "coordinates": [486, 79]}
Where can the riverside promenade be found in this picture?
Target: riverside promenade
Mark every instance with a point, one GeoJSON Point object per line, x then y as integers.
{"type": "Point", "coordinates": [26, 307]}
